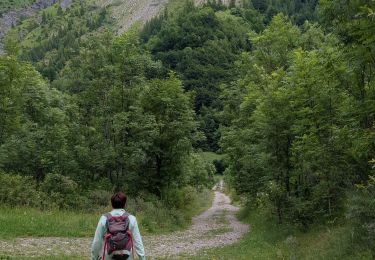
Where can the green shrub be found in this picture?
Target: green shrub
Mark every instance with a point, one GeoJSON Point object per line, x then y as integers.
{"type": "Point", "coordinates": [200, 173]}
{"type": "Point", "coordinates": [180, 198]}
{"type": "Point", "coordinates": [17, 190]}
{"type": "Point", "coordinates": [156, 217]}
{"type": "Point", "coordinates": [61, 192]}
{"type": "Point", "coordinates": [361, 213]}
{"type": "Point", "coordinates": [173, 212]}
{"type": "Point", "coordinates": [99, 198]}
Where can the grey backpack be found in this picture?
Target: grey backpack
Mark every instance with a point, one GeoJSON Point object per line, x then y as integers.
{"type": "Point", "coordinates": [118, 241]}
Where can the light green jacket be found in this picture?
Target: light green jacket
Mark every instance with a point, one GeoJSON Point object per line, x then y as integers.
{"type": "Point", "coordinates": [97, 243]}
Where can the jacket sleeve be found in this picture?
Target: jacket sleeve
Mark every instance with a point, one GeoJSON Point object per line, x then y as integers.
{"type": "Point", "coordinates": [137, 239]}
{"type": "Point", "coordinates": [97, 243]}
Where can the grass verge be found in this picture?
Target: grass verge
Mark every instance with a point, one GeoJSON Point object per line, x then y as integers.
{"type": "Point", "coordinates": [16, 222]}
{"type": "Point", "coordinates": [267, 240]}
{"type": "Point", "coordinates": [153, 217]}
{"type": "Point", "coordinates": [157, 218]}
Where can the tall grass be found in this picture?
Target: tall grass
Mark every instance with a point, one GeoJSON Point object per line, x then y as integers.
{"type": "Point", "coordinates": [24, 221]}
{"type": "Point", "coordinates": [156, 217]}
{"type": "Point", "coordinates": [152, 216]}
{"type": "Point", "coordinates": [211, 156]}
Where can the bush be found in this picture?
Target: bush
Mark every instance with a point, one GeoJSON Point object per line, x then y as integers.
{"type": "Point", "coordinates": [200, 174]}
{"type": "Point", "coordinates": [99, 197]}
{"type": "Point", "coordinates": [156, 217]}
{"type": "Point", "coordinates": [61, 192]}
{"type": "Point", "coordinates": [173, 212]}
{"type": "Point", "coordinates": [180, 198]}
{"type": "Point", "coordinates": [361, 213]}
{"type": "Point", "coordinates": [17, 190]}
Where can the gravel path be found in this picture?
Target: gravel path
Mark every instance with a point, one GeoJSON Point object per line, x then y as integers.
{"type": "Point", "coordinates": [216, 227]}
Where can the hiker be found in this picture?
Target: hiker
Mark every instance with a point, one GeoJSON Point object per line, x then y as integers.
{"type": "Point", "coordinates": [117, 234]}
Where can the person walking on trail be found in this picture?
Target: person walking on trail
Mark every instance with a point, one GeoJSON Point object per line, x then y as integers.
{"type": "Point", "coordinates": [117, 234]}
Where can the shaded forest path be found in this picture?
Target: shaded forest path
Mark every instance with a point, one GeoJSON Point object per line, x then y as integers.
{"type": "Point", "coordinates": [215, 227]}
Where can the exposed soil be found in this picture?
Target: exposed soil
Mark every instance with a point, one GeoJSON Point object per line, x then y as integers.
{"type": "Point", "coordinates": [216, 227]}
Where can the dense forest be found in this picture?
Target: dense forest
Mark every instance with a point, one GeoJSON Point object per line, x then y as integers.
{"type": "Point", "coordinates": [284, 90]}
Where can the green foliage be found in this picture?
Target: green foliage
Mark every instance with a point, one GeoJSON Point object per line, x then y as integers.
{"type": "Point", "coordinates": [25, 221]}
{"type": "Point", "coordinates": [210, 156]}
{"type": "Point", "coordinates": [60, 191]}
{"type": "Point", "coordinates": [201, 45]}
{"type": "Point", "coordinates": [34, 123]}
{"type": "Point", "coordinates": [174, 212]}
{"type": "Point", "coordinates": [199, 172]}
{"type": "Point", "coordinates": [298, 10]}
{"type": "Point", "coordinates": [355, 28]}
{"type": "Point", "coordinates": [171, 108]}
{"type": "Point", "coordinates": [294, 141]}
{"type": "Point", "coordinates": [55, 192]}
{"type": "Point", "coordinates": [268, 240]}
{"type": "Point", "coordinates": [142, 131]}
{"type": "Point", "coordinates": [361, 213]}
{"type": "Point", "coordinates": [16, 190]}
{"type": "Point", "coordinates": [54, 36]}
{"type": "Point", "coordinates": [290, 103]}
{"type": "Point", "coordinates": [153, 215]}
{"type": "Point", "coordinates": [273, 45]}
{"type": "Point", "coordinates": [116, 123]}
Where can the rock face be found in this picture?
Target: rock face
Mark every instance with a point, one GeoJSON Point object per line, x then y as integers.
{"type": "Point", "coordinates": [129, 12]}
{"type": "Point", "coordinates": [65, 3]}
{"type": "Point", "coordinates": [125, 13]}
{"type": "Point", "coordinates": [11, 18]}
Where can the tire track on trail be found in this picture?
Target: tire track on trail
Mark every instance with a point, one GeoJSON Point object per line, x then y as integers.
{"type": "Point", "coordinates": [216, 227]}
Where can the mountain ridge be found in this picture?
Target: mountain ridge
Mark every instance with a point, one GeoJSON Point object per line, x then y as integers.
{"type": "Point", "coordinates": [125, 13]}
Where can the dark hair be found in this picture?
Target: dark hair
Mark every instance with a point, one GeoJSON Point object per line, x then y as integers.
{"type": "Point", "coordinates": [118, 200]}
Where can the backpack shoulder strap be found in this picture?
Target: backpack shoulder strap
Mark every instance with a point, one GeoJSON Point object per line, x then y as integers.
{"type": "Point", "coordinates": [126, 215]}
{"type": "Point", "coordinates": [107, 216]}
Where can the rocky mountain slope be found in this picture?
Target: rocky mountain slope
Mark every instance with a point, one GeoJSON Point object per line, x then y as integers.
{"type": "Point", "coordinates": [125, 13]}
{"type": "Point", "coordinates": [12, 17]}
{"type": "Point", "coordinates": [128, 12]}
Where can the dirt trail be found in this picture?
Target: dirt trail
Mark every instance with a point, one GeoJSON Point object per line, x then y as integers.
{"type": "Point", "coordinates": [215, 227]}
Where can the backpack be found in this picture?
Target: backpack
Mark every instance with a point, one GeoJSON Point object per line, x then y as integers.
{"type": "Point", "coordinates": [118, 241]}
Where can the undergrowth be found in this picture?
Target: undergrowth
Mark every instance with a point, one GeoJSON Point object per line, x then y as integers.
{"type": "Point", "coordinates": [152, 216]}
{"type": "Point", "coordinates": [268, 240]}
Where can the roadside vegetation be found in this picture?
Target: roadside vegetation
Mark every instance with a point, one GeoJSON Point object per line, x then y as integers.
{"type": "Point", "coordinates": [268, 240]}
{"type": "Point", "coordinates": [59, 207]}
{"type": "Point", "coordinates": [153, 217]}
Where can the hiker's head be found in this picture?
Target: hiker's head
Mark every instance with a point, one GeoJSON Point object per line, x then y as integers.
{"type": "Point", "coordinates": [118, 200]}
